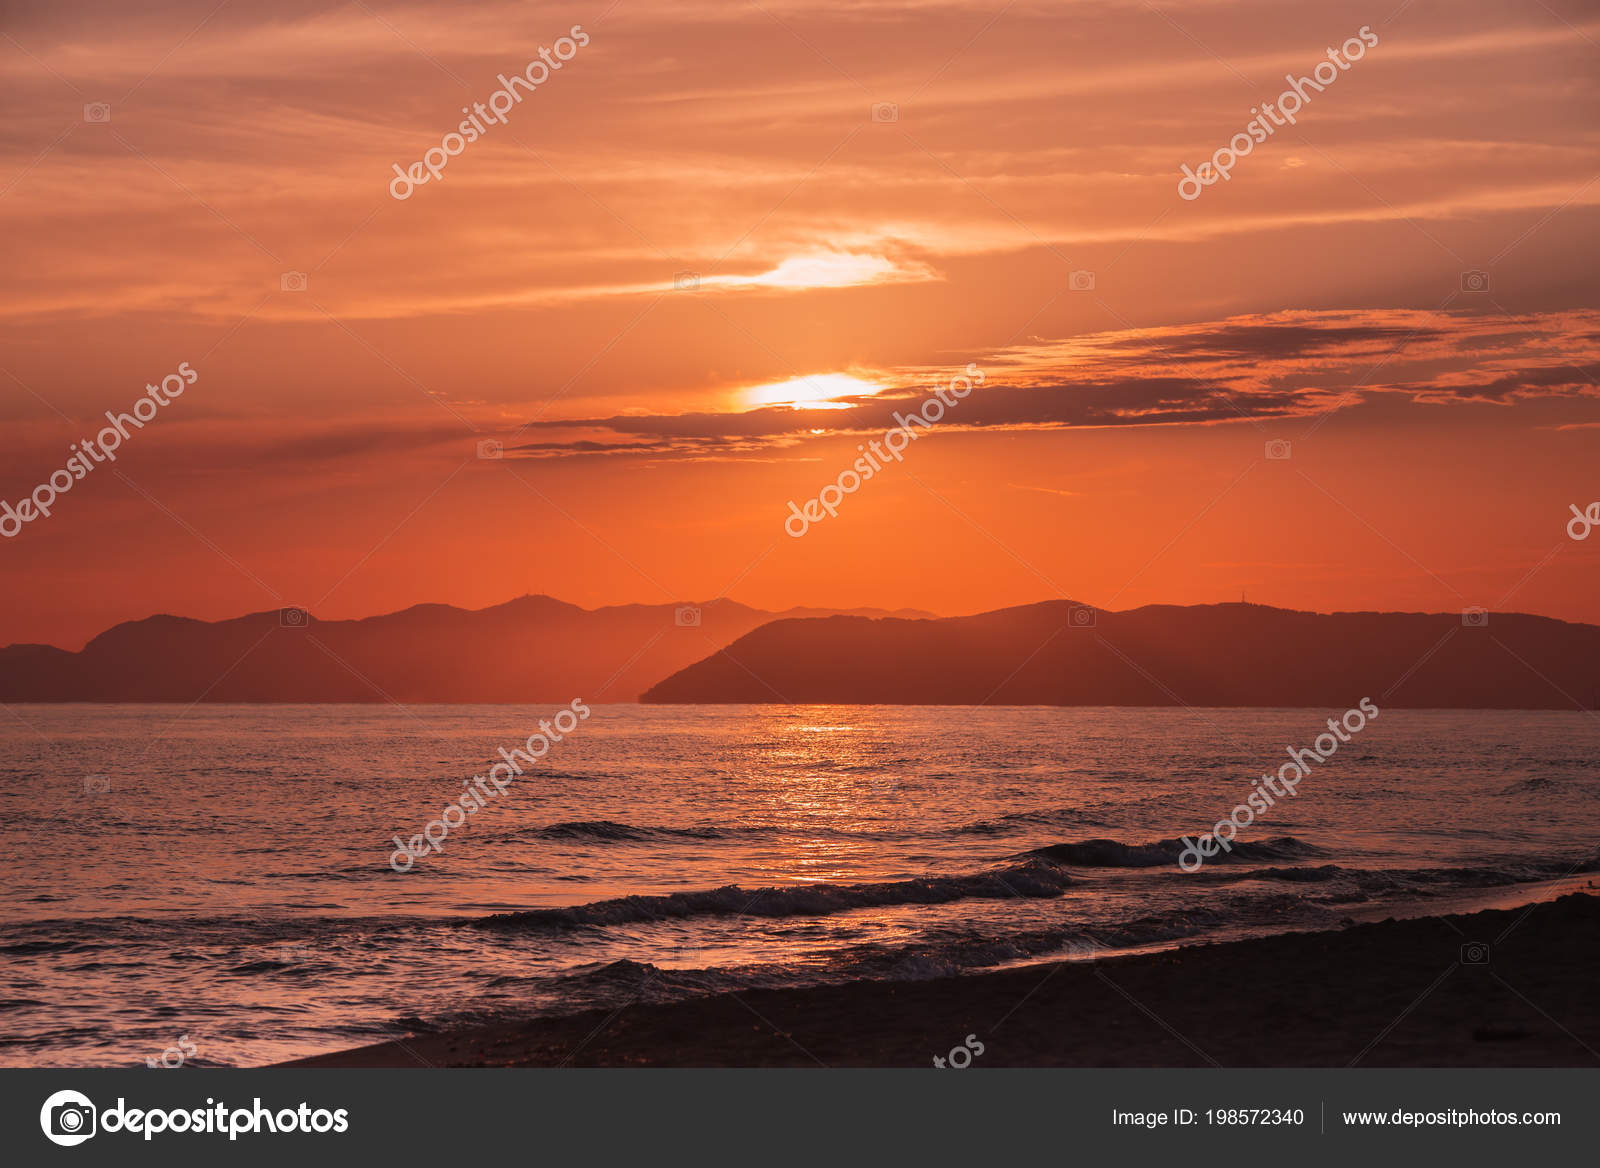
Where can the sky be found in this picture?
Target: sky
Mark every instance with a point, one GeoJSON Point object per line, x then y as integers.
{"type": "Point", "coordinates": [699, 253]}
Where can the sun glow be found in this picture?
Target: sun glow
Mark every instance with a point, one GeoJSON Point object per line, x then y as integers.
{"type": "Point", "coordinates": [830, 269]}
{"type": "Point", "coordinates": [816, 392]}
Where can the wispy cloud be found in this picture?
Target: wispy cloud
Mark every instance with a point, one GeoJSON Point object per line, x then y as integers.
{"type": "Point", "coordinates": [1251, 368]}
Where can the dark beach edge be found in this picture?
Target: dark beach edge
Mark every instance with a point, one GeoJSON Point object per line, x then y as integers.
{"type": "Point", "coordinates": [1497, 988]}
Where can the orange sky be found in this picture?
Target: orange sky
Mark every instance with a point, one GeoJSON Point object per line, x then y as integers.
{"type": "Point", "coordinates": [1116, 452]}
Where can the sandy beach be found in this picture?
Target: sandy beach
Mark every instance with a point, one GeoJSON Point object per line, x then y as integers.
{"type": "Point", "coordinates": [1503, 987]}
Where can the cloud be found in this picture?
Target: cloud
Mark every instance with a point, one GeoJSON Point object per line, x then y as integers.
{"type": "Point", "coordinates": [1272, 366]}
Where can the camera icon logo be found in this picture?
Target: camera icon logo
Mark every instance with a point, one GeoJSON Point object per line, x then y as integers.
{"type": "Point", "coordinates": [1475, 953]}
{"type": "Point", "coordinates": [96, 784]}
{"type": "Point", "coordinates": [686, 281]}
{"type": "Point", "coordinates": [1474, 281]}
{"type": "Point", "coordinates": [491, 448]}
{"type": "Point", "coordinates": [1475, 618]}
{"type": "Point", "coordinates": [885, 111]}
{"type": "Point", "coordinates": [1081, 617]}
{"type": "Point", "coordinates": [1278, 448]}
{"type": "Point", "coordinates": [1081, 281]}
{"type": "Point", "coordinates": [293, 617]}
{"type": "Point", "coordinates": [292, 282]}
{"type": "Point", "coordinates": [68, 1118]}
{"type": "Point", "coordinates": [687, 617]}
{"type": "Point", "coordinates": [97, 112]}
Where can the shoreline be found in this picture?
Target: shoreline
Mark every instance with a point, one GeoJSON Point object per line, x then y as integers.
{"type": "Point", "coordinates": [1396, 992]}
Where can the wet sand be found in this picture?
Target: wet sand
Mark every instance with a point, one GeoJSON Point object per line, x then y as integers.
{"type": "Point", "coordinates": [1508, 987]}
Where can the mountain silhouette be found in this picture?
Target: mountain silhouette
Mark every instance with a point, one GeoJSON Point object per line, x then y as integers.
{"type": "Point", "coordinates": [532, 649]}
{"type": "Point", "coordinates": [1061, 653]}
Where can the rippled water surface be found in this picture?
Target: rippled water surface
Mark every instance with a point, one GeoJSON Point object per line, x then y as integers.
{"type": "Point", "coordinates": [224, 873]}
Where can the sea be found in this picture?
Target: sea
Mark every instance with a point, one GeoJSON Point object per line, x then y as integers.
{"type": "Point", "coordinates": [220, 885]}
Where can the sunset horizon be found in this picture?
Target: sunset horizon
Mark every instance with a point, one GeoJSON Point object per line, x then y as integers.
{"type": "Point", "coordinates": [902, 535]}
{"type": "Point", "coordinates": [1185, 393]}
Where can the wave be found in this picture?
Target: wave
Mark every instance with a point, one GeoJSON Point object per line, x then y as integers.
{"type": "Point", "coordinates": [254, 945]}
{"type": "Point", "coordinates": [1413, 880]}
{"type": "Point", "coordinates": [614, 831]}
{"type": "Point", "coordinates": [268, 934]}
{"type": "Point", "coordinates": [1026, 880]}
{"type": "Point", "coordinates": [606, 829]}
{"type": "Point", "coordinates": [948, 952]}
{"type": "Point", "coordinates": [1110, 853]}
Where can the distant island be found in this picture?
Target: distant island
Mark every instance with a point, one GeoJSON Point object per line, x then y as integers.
{"type": "Point", "coordinates": [532, 649]}
{"type": "Point", "coordinates": [1057, 653]}
{"type": "Point", "coordinates": [1061, 653]}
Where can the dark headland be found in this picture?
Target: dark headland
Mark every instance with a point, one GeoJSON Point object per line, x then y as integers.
{"type": "Point", "coordinates": [1065, 654]}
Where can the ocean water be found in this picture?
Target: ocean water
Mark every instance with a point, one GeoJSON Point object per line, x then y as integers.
{"type": "Point", "coordinates": [214, 884]}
